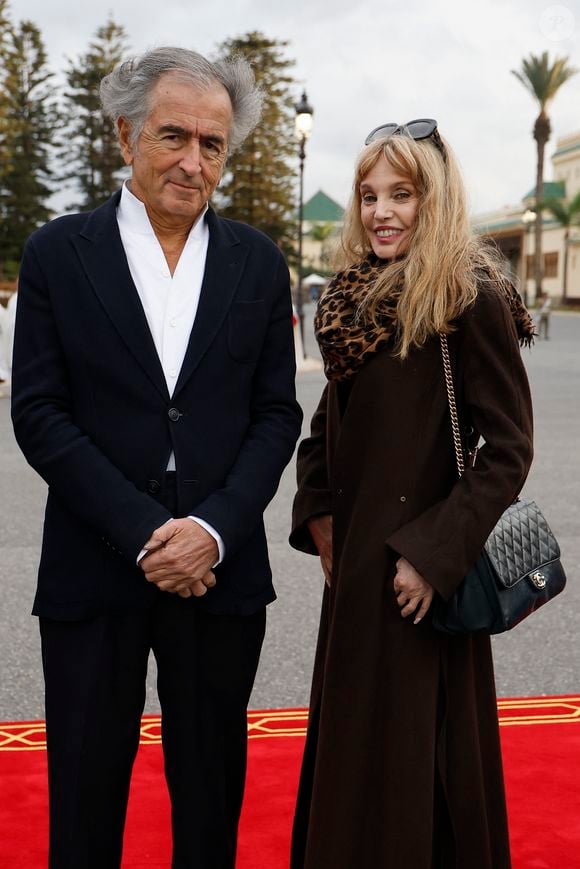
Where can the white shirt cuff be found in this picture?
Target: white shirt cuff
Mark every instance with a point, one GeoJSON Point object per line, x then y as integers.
{"type": "Point", "coordinates": [209, 529]}
{"type": "Point", "coordinates": [216, 537]}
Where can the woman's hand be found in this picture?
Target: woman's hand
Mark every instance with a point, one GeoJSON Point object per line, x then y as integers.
{"type": "Point", "coordinates": [414, 594]}
{"type": "Point", "coordinates": [320, 528]}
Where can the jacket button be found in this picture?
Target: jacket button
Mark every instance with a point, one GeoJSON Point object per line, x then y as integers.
{"type": "Point", "coordinates": [173, 414]}
{"type": "Point", "coordinates": [153, 487]}
{"type": "Point", "coordinates": [402, 498]}
{"type": "Point", "coordinates": [339, 491]}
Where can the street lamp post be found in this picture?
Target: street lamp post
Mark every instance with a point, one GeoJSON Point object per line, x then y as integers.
{"type": "Point", "coordinates": [303, 127]}
{"type": "Point", "coordinates": [529, 219]}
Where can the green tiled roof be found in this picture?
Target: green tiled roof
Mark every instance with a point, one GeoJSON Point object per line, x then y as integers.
{"type": "Point", "coordinates": [567, 150]}
{"type": "Point", "coordinates": [555, 189]}
{"type": "Point", "coordinates": [508, 223]}
{"type": "Point", "coordinates": [501, 224]}
{"type": "Point", "coordinates": [321, 208]}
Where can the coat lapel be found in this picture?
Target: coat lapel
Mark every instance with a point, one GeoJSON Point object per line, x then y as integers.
{"type": "Point", "coordinates": [101, 252]}
{"type": "Point", "coordinates": [226, 258]}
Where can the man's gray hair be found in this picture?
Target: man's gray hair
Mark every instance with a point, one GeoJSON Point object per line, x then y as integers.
{"type": "Point", "coordinates": [125, 91]}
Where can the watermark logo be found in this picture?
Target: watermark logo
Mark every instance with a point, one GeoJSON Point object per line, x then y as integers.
{"type": "Point", "coordinates": [557, 23]}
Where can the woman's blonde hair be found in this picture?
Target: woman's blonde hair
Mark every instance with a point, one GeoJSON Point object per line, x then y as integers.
{"type": "Point", "coordinates": [437, 278]}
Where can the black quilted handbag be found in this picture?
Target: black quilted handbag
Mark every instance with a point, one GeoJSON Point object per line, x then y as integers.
{"type": "Point", "coordinates": [519, 569]}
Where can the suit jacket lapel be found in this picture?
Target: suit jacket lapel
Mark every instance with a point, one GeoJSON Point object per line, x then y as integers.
{"type": "Point", "coordinates": [101, 252]}
{"type": "Point", "coordinates": [226, 258]}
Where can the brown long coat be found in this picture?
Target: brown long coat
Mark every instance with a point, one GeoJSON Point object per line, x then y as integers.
{"type": "Point", "coordinates": [402, 768]}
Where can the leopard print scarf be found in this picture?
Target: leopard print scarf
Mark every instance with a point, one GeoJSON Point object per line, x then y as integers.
{"type": "Point", "coordinates": [346, 341]}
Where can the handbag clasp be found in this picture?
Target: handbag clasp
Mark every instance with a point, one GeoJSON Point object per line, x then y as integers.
{"type": "Point", "coordinates": [538, 579]}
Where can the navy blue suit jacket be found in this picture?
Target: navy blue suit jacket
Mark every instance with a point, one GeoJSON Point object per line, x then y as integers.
{"type": "Point", "coordinates": [93, 416]}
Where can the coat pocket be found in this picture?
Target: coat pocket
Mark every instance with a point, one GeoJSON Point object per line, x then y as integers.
{"type": "Point", "coordinates": [246, 327]}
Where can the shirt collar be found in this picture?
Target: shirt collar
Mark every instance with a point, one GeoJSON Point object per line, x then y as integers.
{"type": "Point", "coordinates": [131, 212]}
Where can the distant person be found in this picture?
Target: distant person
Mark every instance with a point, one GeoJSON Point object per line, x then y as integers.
{"type": "Point", "coordinates": [4, 363]}
{"type": "Point", "coordinates": [402, 766]}
{"type": "Point", "coordinates": [543, 316]}
{"type": "Point", "coordinates": [153, 390]}
{"type": "Point", "coordinates": [9, 336]}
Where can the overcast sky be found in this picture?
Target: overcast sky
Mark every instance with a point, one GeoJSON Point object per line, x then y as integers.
{"type": "Point", "coordinates": [365, 62]}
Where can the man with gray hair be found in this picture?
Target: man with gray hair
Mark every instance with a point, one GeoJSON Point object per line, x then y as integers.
{"type": "Point", "coordinates": [153, 390]}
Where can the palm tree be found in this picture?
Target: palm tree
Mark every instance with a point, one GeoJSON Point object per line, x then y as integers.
{"type": "Point", "coordinates": [567, 214]}
{"type": "Point", "coordinates": [322, 232]}
{"type": "Point", "coordinates": [543, 80]}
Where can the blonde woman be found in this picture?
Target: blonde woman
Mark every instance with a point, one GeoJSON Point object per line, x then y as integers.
{"type": "Point", "coordinates": [402, 767]}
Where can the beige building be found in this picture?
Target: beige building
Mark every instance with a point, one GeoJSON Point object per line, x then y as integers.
{"type": "Point", "coordinates": [513, 232]}
{"type": "Point", "coordinates": [321, 227]}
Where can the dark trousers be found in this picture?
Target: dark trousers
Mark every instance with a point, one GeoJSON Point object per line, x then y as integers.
{"type": "Point", "coordinates": [95, 674]}
{"type": "Point", "coordinates": [95, 690]}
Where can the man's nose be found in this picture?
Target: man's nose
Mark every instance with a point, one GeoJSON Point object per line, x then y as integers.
{"type": "Point", "coordinates": [190, 161]}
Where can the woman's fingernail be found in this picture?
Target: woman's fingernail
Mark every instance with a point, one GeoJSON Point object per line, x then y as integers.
{"type": "Point", "coordinates": [417, 620]}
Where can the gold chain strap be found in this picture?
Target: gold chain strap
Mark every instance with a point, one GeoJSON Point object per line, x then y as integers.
{"type": "Point", "coordinates": [452, 405]}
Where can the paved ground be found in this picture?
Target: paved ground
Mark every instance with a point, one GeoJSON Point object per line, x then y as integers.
{"type": "Point", "coordinates": [542, 656]}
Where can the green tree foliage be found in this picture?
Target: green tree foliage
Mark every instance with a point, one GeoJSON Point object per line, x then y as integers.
{"type": "Point", "coordinates": [5, 30]}
{"type": "Point", "coordinates": [321, 231]}
{"type": "Point", "coordinates": [30, 122]}
{"type": "Point", "coordinates": [259, 184]}
{"type": "Point", "coordinates": [91, 152]}
{"type": "Point", "coordinates": [4, 20]}
{"type": "Point", "coordinates": [542, 80]}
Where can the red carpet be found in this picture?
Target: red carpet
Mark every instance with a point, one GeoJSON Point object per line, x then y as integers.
{"type": "Point", "coordinates": [541, 745]}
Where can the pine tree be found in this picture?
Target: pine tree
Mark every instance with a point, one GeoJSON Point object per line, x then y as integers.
{"type": "Point", "coordinates": [29, 128]}
{"type": "Point", "coordinates": [5, 30]}
{"type": "Point", "coordinates": [259, 184]}
{"type": "Point", "coordinates": [92, 151]}
{"type": "Point", "coordinates": [4, 20]}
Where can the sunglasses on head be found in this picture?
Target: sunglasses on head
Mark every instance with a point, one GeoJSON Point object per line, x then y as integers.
{"type": "Point", "coordinates": [420, 128]}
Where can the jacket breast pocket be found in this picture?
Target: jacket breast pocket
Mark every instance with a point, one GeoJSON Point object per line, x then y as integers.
{"type": "Point", "coordinates": [246, 327]}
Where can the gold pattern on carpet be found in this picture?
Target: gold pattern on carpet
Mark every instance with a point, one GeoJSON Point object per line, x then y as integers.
{"type": "Point", "coordinates": [270, 723]}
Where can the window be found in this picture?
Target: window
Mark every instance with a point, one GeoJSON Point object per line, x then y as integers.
{"type": "Point", "coordinates": [529, 267]}
{"type": "Point", "coordinates": [550, 265]}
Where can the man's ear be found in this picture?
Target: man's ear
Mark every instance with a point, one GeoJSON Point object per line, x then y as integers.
{"type": "Point", "coordinates": [124, 130]}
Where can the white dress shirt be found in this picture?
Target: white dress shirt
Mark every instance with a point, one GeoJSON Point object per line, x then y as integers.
{"type": "Point", "coordinates": [170, 301]}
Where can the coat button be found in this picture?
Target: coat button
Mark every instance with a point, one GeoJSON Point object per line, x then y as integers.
{"type": "Point", "coordinates": [153, 487]}
{"type": "Point", "coordinates": [339, 491]}
{"type": "Point", "coordinates": [173, 414]}
{"type": "Point", "coordinates": [402, 498]}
